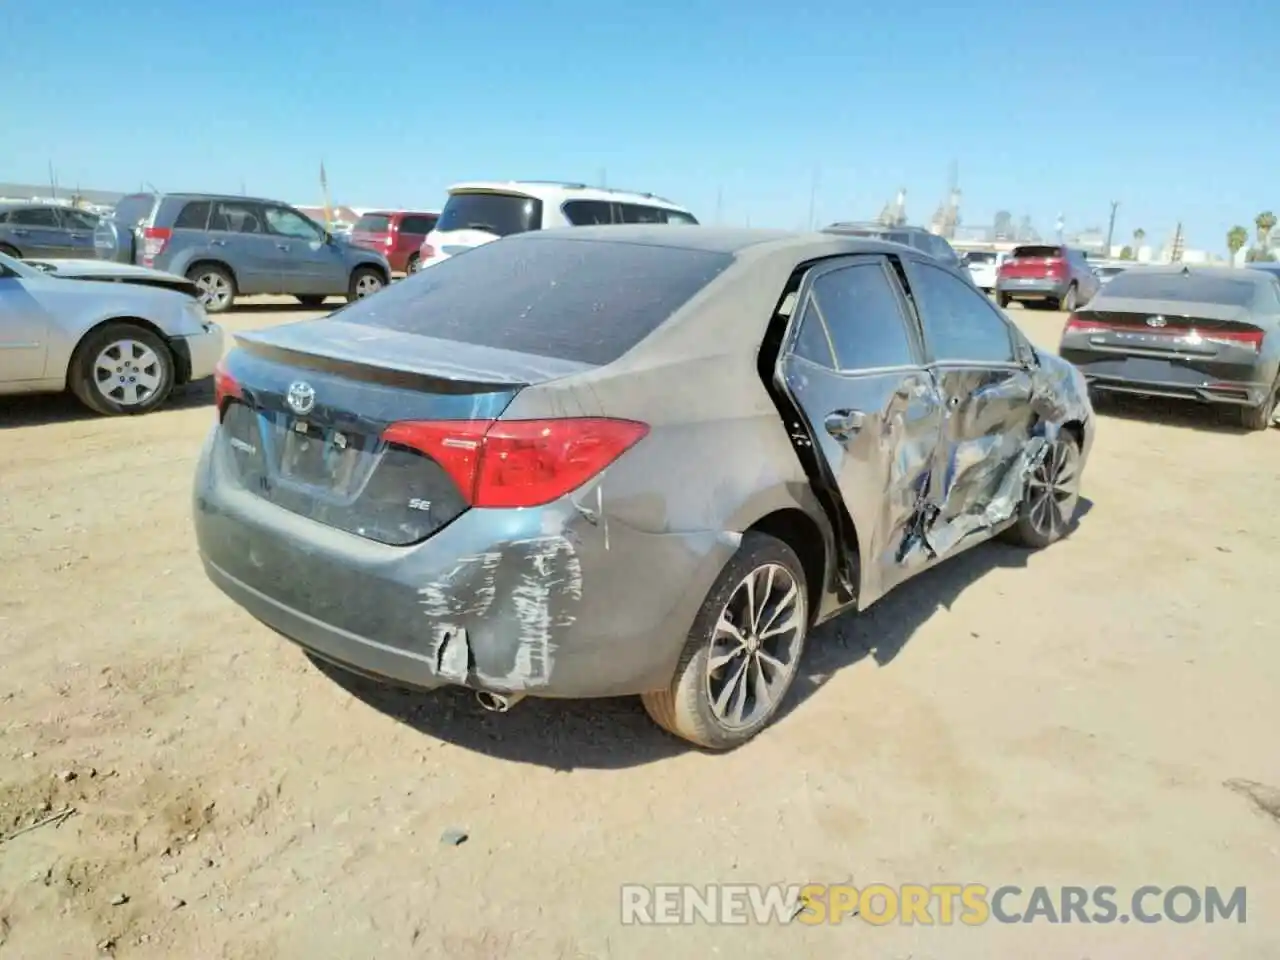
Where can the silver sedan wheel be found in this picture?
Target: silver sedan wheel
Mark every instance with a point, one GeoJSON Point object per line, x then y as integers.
{"type": "Point", "coordinates": [128, 373]}
{"type": "Point", "coordinates": [755, 646]}
{"type": "Point", "coordinates": [367, 285]}
{"type": "Point", "coordinates": [214, 289]}
{"type": "Point", "coordinates": [1054, 489]}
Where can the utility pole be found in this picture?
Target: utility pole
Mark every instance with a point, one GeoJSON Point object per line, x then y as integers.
{"type": "Point", "coordinates": [603, 176]}
{"type": "Point", "coordinates": [719, 206]}
{"type": "Point", "coordinates": [1176, 255]}
{"type": "Point", "coordinates": [1111, 228]}
{"type": "Point", "coordinates": [53, 181]}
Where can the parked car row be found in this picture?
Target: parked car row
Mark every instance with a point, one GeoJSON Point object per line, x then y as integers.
{"type": "Point", "coordinates": [46, 230]}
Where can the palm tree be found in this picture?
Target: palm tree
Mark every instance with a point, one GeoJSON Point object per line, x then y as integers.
{"type": "Point", "coordinates": [1265, 222]}
{"type": "Point", "coordinates": [1237, 237]}
{"type": "Point", "coordinates": [1138, 236]}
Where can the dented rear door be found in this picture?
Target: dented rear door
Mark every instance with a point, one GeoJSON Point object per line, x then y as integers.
{"type": "Point", "coordinates": [986, 390]}
{"type": "Point", "coordinates": [853, 367]}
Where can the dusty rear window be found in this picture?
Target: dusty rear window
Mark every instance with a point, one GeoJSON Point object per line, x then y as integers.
{"type": "Point", "coordinates": [1040, 252]}
{"type": "Point", "coordinates": [583, 301]}
{"type": "Point", "coordinates": [372, 223]}
{"type": "Point", "coordinates": [1188, 288]}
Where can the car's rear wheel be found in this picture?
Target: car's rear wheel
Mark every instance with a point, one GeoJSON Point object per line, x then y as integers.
{"type": "Point", "coordinates": [365, 282]}
{"type": "Point", "coordinates": [1003, 299]}
{"type": "Point", "coordinates": [121, 369]}
{"type": "Point", "coordinates": [216, 286]}
{"type": "Point", "coordinates": [312, 301]}
{"type": "Point", "coordinates": [1053, 493]}
{"type": "Point", "coordinates": [1264, 415]}
{"type": "Point", "coordinates": [414, 264]}
{"type": "Point", "coordinates": [743, 652]}
{"type": "Point", "coordinates": [9, 251]}
{"type": "Point", "coordinates": [1071, 300]}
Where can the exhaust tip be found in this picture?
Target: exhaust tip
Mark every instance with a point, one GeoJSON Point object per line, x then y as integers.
{"type": "Point", "coordinates": [498, 702]}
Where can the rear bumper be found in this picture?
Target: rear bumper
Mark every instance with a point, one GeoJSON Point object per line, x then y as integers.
{"type": "Point", "coordinates": [1184, 379]}
{"type": "Point", "coordinates": [1033, 289]}
{"type": "Point", "coordinates": [554, 602]}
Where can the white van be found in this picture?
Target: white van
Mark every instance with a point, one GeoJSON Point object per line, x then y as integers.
{"type": "Point", "coordinates": [483, 211]}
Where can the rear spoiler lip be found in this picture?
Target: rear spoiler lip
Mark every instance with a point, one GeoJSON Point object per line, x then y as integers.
{"type": "Point", "coordinates": [349, 351]}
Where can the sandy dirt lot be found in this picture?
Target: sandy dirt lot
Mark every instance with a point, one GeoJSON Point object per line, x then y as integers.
{"type": "Point", "coordinates": [1065, 717]}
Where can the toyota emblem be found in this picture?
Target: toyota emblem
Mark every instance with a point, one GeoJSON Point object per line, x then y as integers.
{"type": "Point", "coordinates": [1155, 321]}
{"type": "Point", "coordinates": [301, 398]}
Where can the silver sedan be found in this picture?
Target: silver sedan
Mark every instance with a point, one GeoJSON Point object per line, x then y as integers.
{"type": "Point", "coordinates": [121, 348]}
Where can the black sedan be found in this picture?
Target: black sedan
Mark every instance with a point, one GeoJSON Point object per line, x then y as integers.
{"type": "Point", "coordinates": [1210, 334]}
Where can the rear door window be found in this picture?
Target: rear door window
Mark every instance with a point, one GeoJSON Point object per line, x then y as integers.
{"type": "Point", "coordinates": [960, 324]}
{"type": "Point", "coordinates": [231, 216]}
{"type": "Point", "coordinates": [79, 220]}
{"type": "Point", "coordinates": [35, 217]}
{"type": "Point", "coordinates": [501, 214]}
{"type": "Point", "coordinates": [583, 301]}
{"type": "Point", "coordinates": [194, 216]}
{"type": "Point", "coordinates": [865, 317]}
{"type": "Point", "coordinates": [639, 213]}
{"type": "Point", "coordinates": [417, 225]}
{"type": "Point", "coordinates": [584, 213]}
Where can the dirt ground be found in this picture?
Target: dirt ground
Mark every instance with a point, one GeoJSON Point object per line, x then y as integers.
{"type": "Point", "coordinates": [1064, 717]}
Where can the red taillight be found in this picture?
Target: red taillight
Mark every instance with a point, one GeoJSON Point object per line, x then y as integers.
{"type": "Point", "coordinates": [1055, 266]}
{"type": "Point", "coordinates": [1251, 339]}
{"type": "Point", "coordinates": [225, 387]}
{"type": "Point", "coordinates": [1079, 324]}
{"type": "Point", "coordinates": [519, 463]}
{"type": "Point", "coordinates": [154, 240]}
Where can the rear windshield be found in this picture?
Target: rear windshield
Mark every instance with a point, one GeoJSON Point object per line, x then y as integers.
{"type": "Point", "coordinates": [373, 223]}
{"type": "Point", "coordinates": [1043, 252]}
{"type": "Point", "coordinates": [501, 214]}
{"type": "Point", "coordinates": [979, 257]}
{"type": "Point", "coordinates": [133, 209]}
{"type": "Point", "coordinates": [583, 301]}
{"type": "Point", "coordinates": [1188, 288]}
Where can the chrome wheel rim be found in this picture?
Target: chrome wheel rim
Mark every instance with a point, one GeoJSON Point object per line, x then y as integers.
{"type": "Point", "coordinates": [367, 285]}
{"type": "Point", "coordinates": [128, 373]}
{"type": "Point", "coordinates": [755, 646]}
{"type": "Point", "coordinates": [1054, 489]}
{"type": "Point", "coordinates": [214, 289]}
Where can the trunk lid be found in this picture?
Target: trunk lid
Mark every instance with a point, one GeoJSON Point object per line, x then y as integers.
{"type": "Point", "coordinates": [305, 409]}
{"type": "Point", "coordinates": [1161, 328]}
{"type": "Point", "coordinates": [1034, 263]}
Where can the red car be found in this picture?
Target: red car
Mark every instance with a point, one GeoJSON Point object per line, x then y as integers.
{"type": "Point", "coordinates": [396, 234]}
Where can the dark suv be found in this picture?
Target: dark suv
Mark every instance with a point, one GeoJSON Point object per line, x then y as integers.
{"type": "Point", "coordinates": [1049, 275]}
{"type": "Point", "coordinates": [918, 237]}
{"type": "Point", "coordinates": [231, 246]}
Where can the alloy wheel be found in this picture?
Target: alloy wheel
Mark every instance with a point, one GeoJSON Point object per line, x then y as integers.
{"type": "Point", "coordinates": [367, 286]}
{"type": "Point", "coordinates": [128, 372]}
{"type": "Point", "coordinates": [214, 289]}
{"type": "Point", "coordinates": [755, 646]}
{"type": "Point", "coordinates": [1054, 489]}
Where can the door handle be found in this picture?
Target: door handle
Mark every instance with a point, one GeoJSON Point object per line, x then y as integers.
{"type": "Point", "coordinates": [217, 243]}
{"type": "Point", "coordinates": [77, 236]}
{"type": "Point", "coordinates": [953, 402]}
{"type": "Point", "coordinates": [22, 233]}
{"type": "Point", "coordinates": [282, 246]}
{"type": "Point", "coordinates": [843, 424]}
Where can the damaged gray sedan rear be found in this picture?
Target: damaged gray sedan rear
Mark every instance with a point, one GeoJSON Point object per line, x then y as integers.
{"type": "Point", "coordinates": [628, 460]}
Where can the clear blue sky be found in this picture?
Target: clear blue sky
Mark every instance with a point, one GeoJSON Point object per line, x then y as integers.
{"type": "Point", "coordinates": [1172, 108]}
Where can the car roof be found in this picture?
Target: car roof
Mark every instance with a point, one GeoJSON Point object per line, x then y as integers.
{"type": "Point", "coordinates": [872, 225]}
{"type": "Point", "coordinates": [555, 191]}
{"type": "Point", "coordinates": [401, 213]}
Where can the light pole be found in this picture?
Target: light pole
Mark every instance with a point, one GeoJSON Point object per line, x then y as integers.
{"type": "Point", "coordinates": [1111, 228]}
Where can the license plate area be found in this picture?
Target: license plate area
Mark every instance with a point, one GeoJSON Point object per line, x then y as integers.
{"type": "Point", "coordinates": [314, 456]}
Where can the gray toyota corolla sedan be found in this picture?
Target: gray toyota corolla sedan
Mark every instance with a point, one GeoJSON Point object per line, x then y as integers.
{"type": "Point", "coordinates": [1197, 333]}
{"type": "Point", "coordinates": [628, 460]}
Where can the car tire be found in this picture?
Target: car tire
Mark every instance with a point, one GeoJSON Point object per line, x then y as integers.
{"type": "Point", "coordinates": [365, 282]}
{"type": "Point", "coordinates": [721, 707]}
{"type": "Point", "coordinates": [1264, 414]}
{"type": "Point", "coordinates": [1069, 302]}
{"type": "Point", "coordinates": [216, 284]}
{"type": "Point", "coordinates": [1004, 300]}
{"type": "Point", "coordinates": [413, 264]}
{"type": "Point", "coordinates": [131, 356]}
{"type": "Point", "coordinates": [1053, 491]}
{"type": "Point", "coordinates": [9, 251]}
{"type": "Point", "coordinates": [312, 301]}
